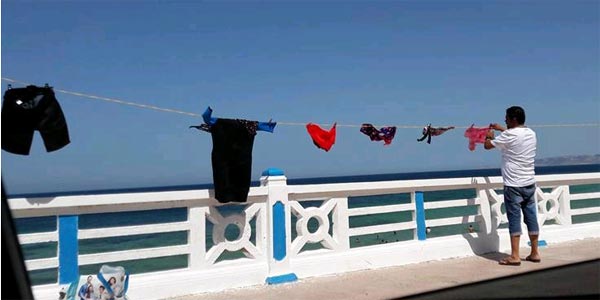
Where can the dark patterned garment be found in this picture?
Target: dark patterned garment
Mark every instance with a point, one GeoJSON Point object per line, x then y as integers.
{"type": "Point", "coordinates": [429, 131]}
{"type": "Point", "coordinates": [251, 126]}
{"type": "Point", "coordinates": [385, 134]}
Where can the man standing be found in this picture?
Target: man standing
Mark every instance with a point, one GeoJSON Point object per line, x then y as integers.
{"type": "Point", "coordinates": [517, 144]}
{"type": "Point", "coordinates": [84, 288]}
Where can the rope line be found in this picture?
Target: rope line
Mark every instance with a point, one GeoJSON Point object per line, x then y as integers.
{"type": "Point", "coordinates": [112, 100]}
{"type": "Point", "coordinates": [152, 107]}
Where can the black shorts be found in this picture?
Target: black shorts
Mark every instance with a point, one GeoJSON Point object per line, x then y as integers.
{"type": "Point", "coordinates": [32, 108]}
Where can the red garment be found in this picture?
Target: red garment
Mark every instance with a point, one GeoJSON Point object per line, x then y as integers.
{"type": "Point", "coordinates": [476, 135]}
{"type": "Point", "coordinates": [322, 139]}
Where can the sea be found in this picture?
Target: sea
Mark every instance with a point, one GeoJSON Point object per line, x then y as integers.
{"type": "Point", "coordinates": [131, 243]}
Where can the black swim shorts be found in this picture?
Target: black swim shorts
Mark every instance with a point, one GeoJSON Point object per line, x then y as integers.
{"type": "Point", "coordinates": [31, 108]}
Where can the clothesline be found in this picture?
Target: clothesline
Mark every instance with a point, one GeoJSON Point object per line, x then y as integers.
{"type": "Point", "coordinates": [110, 99]}
{"type": "Point", "coordinates": [146, 106]}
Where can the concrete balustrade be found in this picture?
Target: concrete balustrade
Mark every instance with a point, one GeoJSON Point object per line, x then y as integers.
{"type": "Point", "coordinates": [276, 256]}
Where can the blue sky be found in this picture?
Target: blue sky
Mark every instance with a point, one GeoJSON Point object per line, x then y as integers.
{"type": "Point", "coordinates": [399, 63]}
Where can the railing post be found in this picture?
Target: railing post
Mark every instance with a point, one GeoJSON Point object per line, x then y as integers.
{"type": "Point", "coordinates": [197, 237]}
{"type": "Point", "coordinates": [419, 215]}
{"type": "Point", "coordinates": [278, 227]}
{"type": "Point", "coordinates": [564, 202]}
{"type": "Point", "coordinates": [341, 223]}
{"type": "Point", "coordinates": [68, 249]}
{"type": "Point", "coordinates": [485, 223]}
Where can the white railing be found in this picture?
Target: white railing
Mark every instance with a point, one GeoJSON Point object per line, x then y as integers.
{"type": "Point", "coordinates": [275, 256]}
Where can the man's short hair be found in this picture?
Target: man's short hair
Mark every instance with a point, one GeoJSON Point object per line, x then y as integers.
{"type": "Point", "coordinates": [517, 113]}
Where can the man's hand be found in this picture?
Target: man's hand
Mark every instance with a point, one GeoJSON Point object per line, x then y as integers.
{"type": "Point", "coordinates": [489, 136]}
{"type": "Point", "coordinates": [497, 126]}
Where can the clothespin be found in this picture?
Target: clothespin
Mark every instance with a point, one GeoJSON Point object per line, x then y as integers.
{"type": "Point", "coordinates": [207, 117]}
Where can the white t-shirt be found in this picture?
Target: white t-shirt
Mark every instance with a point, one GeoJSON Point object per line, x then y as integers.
{"type": "Point", "coordinates": [518, 147]}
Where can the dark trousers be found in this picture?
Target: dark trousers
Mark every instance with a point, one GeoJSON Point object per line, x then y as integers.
{"type": "Point", "coordinates": [231, 160]}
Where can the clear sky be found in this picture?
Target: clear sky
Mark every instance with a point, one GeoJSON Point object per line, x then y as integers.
{"type": "Point", "coordinates": [393, 62]}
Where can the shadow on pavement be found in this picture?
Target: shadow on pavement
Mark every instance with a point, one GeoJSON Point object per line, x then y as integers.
{"type": "Point", "coordinates": [575, 281]}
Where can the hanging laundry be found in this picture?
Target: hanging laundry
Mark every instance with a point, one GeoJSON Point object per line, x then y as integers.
{"type": "Point", "coordinates": [232, 158]}
{"type": "Point", "coordinates": [262, 126]}
{"type": "Point", "coordinates": [321, 138]}
{"type": "Point", "coordinates": [31, 108]}
{"type": "Point", "coordinates": [429, 131]}
{"type": "Point", "coordinates": [385, 134]}
{"type": "Point", "coordinates": [476, 135]}
{"type": "Point", "coordinates": [233, 140]}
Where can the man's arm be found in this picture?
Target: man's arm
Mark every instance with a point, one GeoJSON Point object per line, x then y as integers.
{"type": "Point", "coordinates": [498, 127]}
{"type": "Point", "coordinates": [490, 135]}
{"type": "Point", "coordinates": [488, 139]}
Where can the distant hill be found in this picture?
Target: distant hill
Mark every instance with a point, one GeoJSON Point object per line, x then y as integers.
{"type": "Point", "coordinates": [568, 160]}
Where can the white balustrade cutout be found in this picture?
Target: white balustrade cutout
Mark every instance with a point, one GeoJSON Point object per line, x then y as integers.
{"type": "Point", "coordinates": [242, 242]}
{"type": "Point", "coordinates": [558, 203]}
{"type": "Point", "coordinates": [496, 202]}
{"type": "Point", "coordinates": [551, 206]}
{"type": "Point", "coordinates": [321, 235]}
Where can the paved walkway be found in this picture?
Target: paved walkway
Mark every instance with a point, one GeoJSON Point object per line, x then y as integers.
{"type": "Point", "coordinates": [462, 278]}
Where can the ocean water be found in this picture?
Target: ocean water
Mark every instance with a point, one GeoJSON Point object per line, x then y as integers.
{"type": "Point", "coordinates": [43, 224]}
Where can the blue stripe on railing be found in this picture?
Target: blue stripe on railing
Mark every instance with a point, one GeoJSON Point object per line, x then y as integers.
{"type": "Point", "coordinates": [541, 243]}
{"type": "Point", "coordinates": [272, 172]}
{"type": "Point", "coordinates": [68, 249]}
{"type": "Point", "coordinates": [282, 278]}
{"type": "Point", "coordinates": [279, 251]}
{"type": "Point", "coordinates": [420, 215]}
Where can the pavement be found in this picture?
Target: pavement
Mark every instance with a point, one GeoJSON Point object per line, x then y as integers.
{"type": "Point", "coordinates": [569, 270]}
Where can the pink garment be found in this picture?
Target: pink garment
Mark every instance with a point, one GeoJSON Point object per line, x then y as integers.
{"type": "Point", "coordinates": [476, 135]}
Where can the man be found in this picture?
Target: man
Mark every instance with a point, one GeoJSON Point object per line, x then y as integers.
{"type": "Point", "coordinates": [518, 145]}
{"type": "Point", "coordinates": [103, 294]}
{"type": "Point", "coordinates": [83, 289]}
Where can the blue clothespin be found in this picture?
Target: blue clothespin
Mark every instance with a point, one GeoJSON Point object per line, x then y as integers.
{"type": "Point", "coordinates": [207, 116]}
{"type": "Point", "coordinates": [267, 126]}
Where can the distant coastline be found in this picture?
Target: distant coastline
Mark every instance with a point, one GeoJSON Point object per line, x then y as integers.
{"type": "Point", "coordinates": [568, 160]}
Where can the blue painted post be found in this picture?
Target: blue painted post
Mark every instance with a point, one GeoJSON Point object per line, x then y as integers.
{"type": "Point", "coordinates": [420, 216]}
{"type": "Point", "coordinates": [68, 249]}
{"type": "Point", "coordinates": [278, 227]}
{"type": "Point", "coordinates": [279, 249]}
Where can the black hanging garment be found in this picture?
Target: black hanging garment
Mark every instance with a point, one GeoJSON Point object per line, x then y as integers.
{"type": "Point", "coordinates": [232, 154]}
{"type": "Point", "coordinates": [25, 110]}
{"type": "Point", "coordinates": [232, 158]}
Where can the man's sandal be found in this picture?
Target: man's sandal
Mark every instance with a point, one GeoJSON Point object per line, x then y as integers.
{"type": "Point", "coordinates": [533, 260]}
{"type": "Point", "coordinates": [506, 262]}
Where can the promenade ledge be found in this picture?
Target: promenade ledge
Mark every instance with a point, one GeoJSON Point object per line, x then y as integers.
{"type": "Point", "coordinates": [569, 270]}
{"type": "Point", "coordinates": [294, 240]}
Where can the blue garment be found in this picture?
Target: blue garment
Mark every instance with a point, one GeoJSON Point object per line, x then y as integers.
{"type": "Point", "coordinates": [517, 199]}
{"type": "Point", "coordinates": [82, 291]}
{"type": "Point", "coordinates": [262, 126]}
